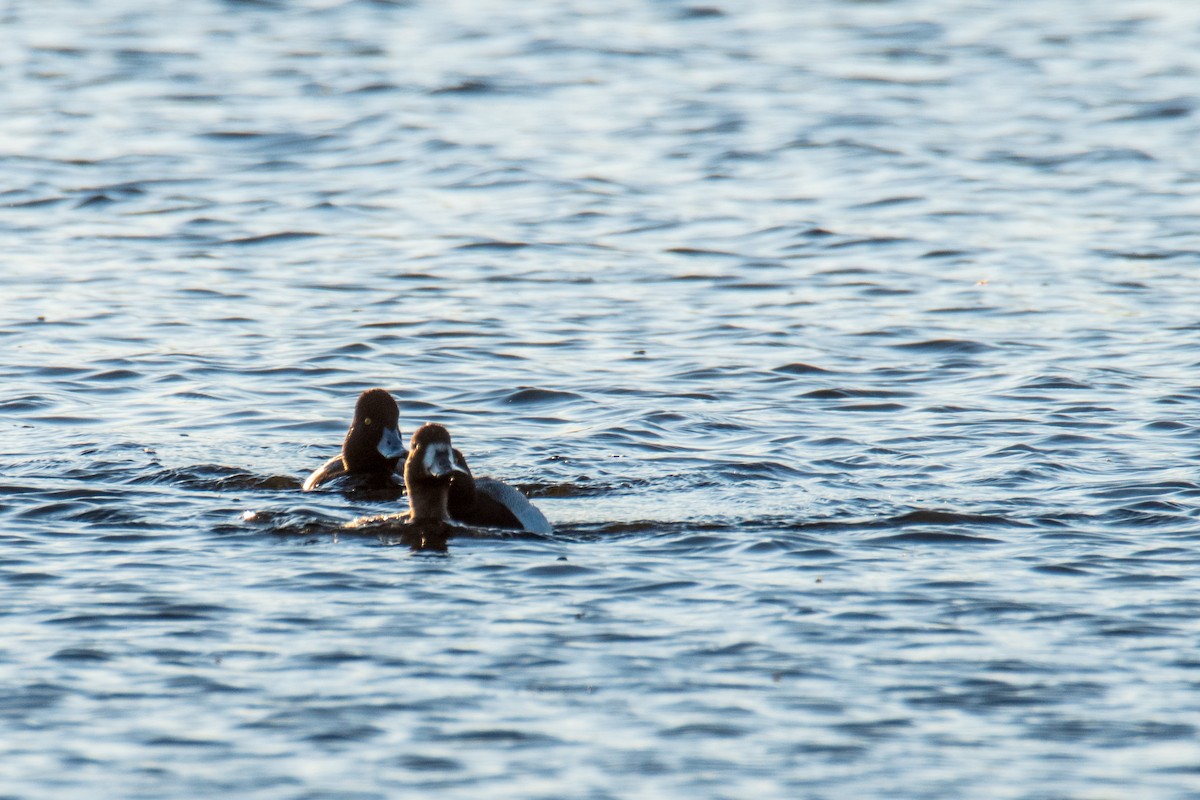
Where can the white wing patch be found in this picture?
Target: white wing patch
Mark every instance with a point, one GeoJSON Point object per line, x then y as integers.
{"type": "Point", "coordinates": [526, 513]}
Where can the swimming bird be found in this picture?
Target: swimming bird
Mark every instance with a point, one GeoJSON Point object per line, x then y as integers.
{"type": "Point", "coordinates": [372, 449]}
{"type": "Point", "coordinates": [373, 452]}
{"type": "Point", "coordinates": [428, 472]}
{"type": "Point", "coordinates": [491, 503]}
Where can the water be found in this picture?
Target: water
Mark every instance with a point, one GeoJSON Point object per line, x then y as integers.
{"type": "Point", "coordinates": [850, 346]}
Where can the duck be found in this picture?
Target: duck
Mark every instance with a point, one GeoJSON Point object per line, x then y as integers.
{"type": "Point", "coordinates": [489, 503]}
{"type": "Point", "coordinates": [428, 472]}
{"type": "Point", "coordinates": [372, 450]}
{"type": "Point", "coordinates": [373, 460]}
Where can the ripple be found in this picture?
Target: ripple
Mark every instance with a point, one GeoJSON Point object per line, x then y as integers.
{"type": "Point", "coordinates": [532, 397]}
{"type": "Point", "coordinates": [799, 369]}
{"type": "Point", "coordinates": [271, 238]}
{"type": "Point", "coordinates": [934, 537]}
{"type": "Point", "coordinates": [216, 478]}
{"type": "Point", "coordinates": [946, 346]}
{"type": "Point", "coordinates": [84, 654]}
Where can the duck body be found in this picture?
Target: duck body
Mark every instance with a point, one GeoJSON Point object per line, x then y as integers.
{"type": "Point", "coordinates": [489, 503]}
{"type": "Point", "coordinates": [333, 476]}
{"type": "Point", "coordinates": [371, 452]}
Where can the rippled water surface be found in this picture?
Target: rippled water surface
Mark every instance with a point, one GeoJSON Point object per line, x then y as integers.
{"type": "Point", "coordinates": [851, 347]}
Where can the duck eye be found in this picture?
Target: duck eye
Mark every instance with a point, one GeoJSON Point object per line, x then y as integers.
{"type": "Point", "coordinates": [367, 421]}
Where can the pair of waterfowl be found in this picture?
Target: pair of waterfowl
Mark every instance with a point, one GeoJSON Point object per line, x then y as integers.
{"type": "Point", "coordinates": [441, 489]}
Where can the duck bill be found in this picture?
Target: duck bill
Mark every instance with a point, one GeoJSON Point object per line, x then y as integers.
{"type": "Point", "coordinates": [391, 445]}
{"type": "Point", "coordinates": [439, 461]}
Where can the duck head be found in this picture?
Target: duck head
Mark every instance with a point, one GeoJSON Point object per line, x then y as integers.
{"type": "Point", "coordinates": [373, 443]}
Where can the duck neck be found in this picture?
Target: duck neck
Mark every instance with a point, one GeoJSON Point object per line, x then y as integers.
{"type": "Point", "coordinates": [427, 501]}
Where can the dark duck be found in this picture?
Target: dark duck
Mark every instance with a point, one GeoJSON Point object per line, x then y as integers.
{"type": "Point", "coordinates": [428, 473]}
{"type": "Point", "coordinates": [372, 450]}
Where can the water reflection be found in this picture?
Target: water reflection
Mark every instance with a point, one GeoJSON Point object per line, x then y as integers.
{"type": "Point", "coordinates": [399, 530]}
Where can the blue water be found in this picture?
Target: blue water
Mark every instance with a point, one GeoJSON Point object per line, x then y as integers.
{"type": "Point", "coordinates": [851, 348]}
